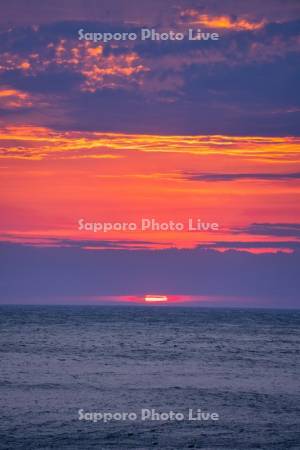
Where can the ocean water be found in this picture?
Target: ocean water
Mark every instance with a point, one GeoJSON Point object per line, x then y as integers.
{"type": "Point", "coordinates": [241, 364]}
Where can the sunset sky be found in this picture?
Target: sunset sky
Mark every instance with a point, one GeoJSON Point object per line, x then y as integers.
{"type": "Point", "coordinates": [171, 130]}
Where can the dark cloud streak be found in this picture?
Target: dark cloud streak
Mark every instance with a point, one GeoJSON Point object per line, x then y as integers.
{"type": "Point", "coordinates": [271, 229]}
{"type": "Point", "coordinates": [215, 177]}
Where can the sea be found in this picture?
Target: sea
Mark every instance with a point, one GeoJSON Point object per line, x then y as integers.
{"type": "Point", "coordinates": [65, 368]}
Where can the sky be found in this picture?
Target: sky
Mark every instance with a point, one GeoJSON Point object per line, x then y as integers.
{"type": "Point", "coordinates": [122, 131]}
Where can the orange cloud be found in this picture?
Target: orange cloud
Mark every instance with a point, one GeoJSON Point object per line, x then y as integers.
{"type": "Point", "coordinates": [99, 70]}
{"type": "Point", "coordinates": [223, 22]}
{"type": "Point", "coordinates": [14, 99]}
{"type": "Point", "coordinates": [44, 143]}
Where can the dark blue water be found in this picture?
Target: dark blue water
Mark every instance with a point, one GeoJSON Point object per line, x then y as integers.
{"type": "Point", "coordinates": [241, 364]}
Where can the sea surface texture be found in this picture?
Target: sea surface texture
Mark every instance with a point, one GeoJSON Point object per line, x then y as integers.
{"type": "Point", "coordinates": [241, 364]}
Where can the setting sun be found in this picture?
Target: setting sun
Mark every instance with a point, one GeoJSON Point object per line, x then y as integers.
{"type": "Point", "coordinates": [156, 298]}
